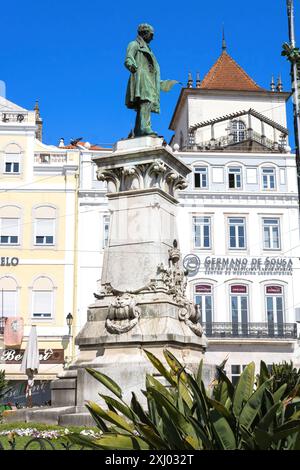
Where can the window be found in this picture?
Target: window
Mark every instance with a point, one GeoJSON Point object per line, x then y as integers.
{"type": "Point", "coordinates": [268, 178]}
{"type": "Point", "coordinates": [201, 177]}
{"type": "Point", "coordinates": [239, 309]}
{"type": "Point", "coordinates": [238, 131]}
{"type": "Point", "coordinates": [202, 232]}
{"type": "Point", "coordinates": [8, 297]}
{"type": "Point", "coordinates": [237, 233]}
{"type": "Point", "coordinates": [234, 178]}
{"type": "Point", "coordinates": [42, 298]}
{"type": "Point", "coordinates": [271, 230]}
{"type": "Point", "coordinates": [203, 298]}
{"type": "Point", "coordinates": [12, 163]}
{"type": "Point", "coordinates": [236, 372]}
{"type": "Point", "coordinates": [274, 310]}
{"type": "Point", "coordinates": [105, 230]}
{"type": "Point", "coordinates": [44, 232]}
{"type": "Point", "coordinates": [44, 158]}
{"type": "Point", "coordinates": [9, 231]}
{"type": "Point", "coordinates": [42, 304]}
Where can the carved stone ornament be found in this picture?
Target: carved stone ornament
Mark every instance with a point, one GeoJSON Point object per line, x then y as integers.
{"type": "Point", "coordinates": [154, 174]}
{"type": "Point", "coordinates": [190, 314]}
{"type": "Point", "coordinates": [123, 314]}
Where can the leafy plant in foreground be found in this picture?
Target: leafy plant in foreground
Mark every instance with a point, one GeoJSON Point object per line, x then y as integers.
{"type": "Point", "coordinates": [183, 415]}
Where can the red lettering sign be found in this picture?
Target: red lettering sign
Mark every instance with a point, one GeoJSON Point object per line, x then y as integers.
{"type": "Point", "coordinates": [238, 289]}
{"type": "Point", "coordinates": [203, 289]}
{"type": "Point", "coordinates": [274, 290]}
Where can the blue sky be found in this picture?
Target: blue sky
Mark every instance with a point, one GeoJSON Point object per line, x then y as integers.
{"type": "Point", "coordinates": [70, 55]}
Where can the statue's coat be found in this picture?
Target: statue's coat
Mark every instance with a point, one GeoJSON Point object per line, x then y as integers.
{"type": "Point", "coordinates": [144, 84]}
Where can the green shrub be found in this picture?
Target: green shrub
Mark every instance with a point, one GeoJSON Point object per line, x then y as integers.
{"type": "Point", "coordinates": [252, 415]}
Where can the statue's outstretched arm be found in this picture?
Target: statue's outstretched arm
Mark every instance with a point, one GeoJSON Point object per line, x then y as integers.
{"type": "Point", "coordinates": [167, 85]}
{"type": "Point", "coordinates": [130, 62]}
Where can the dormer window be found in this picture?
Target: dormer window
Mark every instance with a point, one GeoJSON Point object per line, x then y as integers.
{"type": "Point", "coordinates": [238, 130]}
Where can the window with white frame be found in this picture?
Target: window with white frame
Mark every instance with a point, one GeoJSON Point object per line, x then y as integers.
{"type": "Point", "coordinates": [201, 177]}
{"type": "Point", "coordinates": [202, 232]}
{"type": "Point", "coordinates": [43, 298]}
{"type": "Point", "coordinates": [42, 304]}
{"type": "Point", "coordinates": [12, 163]}
{"type": "Point", "coordinates": [9, 231]}
{"type": "Point", "coordinates": [237, 233]}
{"type": "Point", "coordinates": [239, 307]}
{"type": "Point", "coordinates": [44, 231]}
{"type": "Point", "coordinates": [234, 178]}
{"type": "Point", "coordinates": [8, 297]}
{"type": "Point", "coordinates": [274, 309]}
{"type": "Point", "coordinates": [268, 178]}
{"type": "Point", "coordinates": [236, 372]}
{"type": "Point", "coordinates": [271, 229]}
{"type": "Point", "coordinates": [105, 230]}
{"type": "Point", "coordinates": [204, 298]}
{"type": "Point", "coordinates": [238, 130]}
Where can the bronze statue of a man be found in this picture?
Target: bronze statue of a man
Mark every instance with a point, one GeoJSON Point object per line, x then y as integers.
{"type": "Point", "coordinates": [144, 85]}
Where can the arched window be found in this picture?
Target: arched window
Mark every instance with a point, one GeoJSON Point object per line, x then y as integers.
{"type": "Point", "coordinates": [8, 297]}
{"type": "Point", "coordinates": [10, 221]}
{"type": "Point", "coordinates": [239, 307]}
{"type": "Point", "coordinates": [275, 309]}
{"type": "Point", "coordinates": [44, 225]}
{"type": "Point", "coordinates": [43, 298]}
{"type": "Point", "coordinates": [238, 130]}
{"type": "Point", "coordinates": [203, 296]}
{"type": "Point", "coordinates": [12, 159]}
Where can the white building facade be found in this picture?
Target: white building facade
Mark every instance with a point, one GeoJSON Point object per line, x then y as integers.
{"type": "Point", "coordinates": [238, 219]}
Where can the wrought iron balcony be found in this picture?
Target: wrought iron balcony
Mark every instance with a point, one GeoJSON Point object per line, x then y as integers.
{"type": "Point", "coordinates": [251, 330]}
{"type": "Point", "coordinates": [2, 323]}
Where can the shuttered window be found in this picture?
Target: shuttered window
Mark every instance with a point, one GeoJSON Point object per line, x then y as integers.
{"type": "Point", "coordinates": [44, 231]}
{"type": "Point", "coordinates": [42, 304]}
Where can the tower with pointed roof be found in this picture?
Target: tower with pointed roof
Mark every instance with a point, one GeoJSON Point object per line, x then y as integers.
{"type": "Point", "coordinates": [227, 91]}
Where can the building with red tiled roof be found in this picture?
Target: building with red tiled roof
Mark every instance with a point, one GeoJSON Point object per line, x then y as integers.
{"type": "Point", "coordinates": [204, 113]}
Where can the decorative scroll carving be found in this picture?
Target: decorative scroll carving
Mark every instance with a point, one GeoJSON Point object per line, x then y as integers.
{"type": "Point", "coordinates": [154, 174]}
{"type": "Point", "coordinates": [123, 314]}
{"type": "Point", "coordinates": [175, 181]}
{"type": "Point", "coordinates": [112, 177]}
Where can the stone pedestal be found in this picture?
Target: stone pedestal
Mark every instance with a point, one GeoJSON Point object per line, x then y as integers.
{"type": "Point", "coordinates": [142, 302]}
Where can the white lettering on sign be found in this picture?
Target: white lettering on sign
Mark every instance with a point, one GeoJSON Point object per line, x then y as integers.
{"type": "Point", "coordinates": [17, 356]}
{"type": "Point", "coordinates": [239, 266]}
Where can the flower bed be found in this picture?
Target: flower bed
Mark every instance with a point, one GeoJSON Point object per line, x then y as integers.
{"type": "Point", "coordinates": [47, 434]}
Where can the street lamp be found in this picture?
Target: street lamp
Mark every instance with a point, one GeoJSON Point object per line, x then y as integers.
{"type": "Point", "coordinates": [69, 319]}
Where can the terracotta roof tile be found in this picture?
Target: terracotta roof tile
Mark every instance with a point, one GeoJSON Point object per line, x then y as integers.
{"type": "Point", "coordinates": [226, 74]}
{"type": "Point", "coordinates": [82, 144]}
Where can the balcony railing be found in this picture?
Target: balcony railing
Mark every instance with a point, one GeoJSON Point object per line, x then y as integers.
{"type": "Point", "coordinates": [2, 324]}
{"type": "Point", "coordinates": [224, 141]}
{"type": "Point", "coordinates": [48, 159]}
{"type": "Point", "coordinates": [251, 330]}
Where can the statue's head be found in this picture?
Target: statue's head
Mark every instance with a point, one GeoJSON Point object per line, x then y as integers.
{"type": "Point", "coordinates": [146, 31]}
